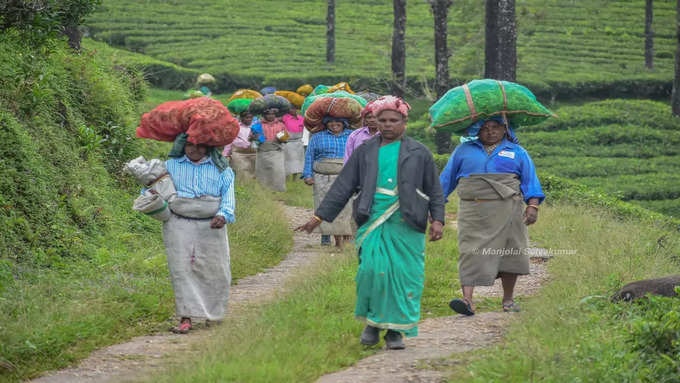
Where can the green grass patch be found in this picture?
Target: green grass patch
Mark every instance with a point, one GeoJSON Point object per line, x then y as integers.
{"type": "Point", "coordinates": [297, 193]}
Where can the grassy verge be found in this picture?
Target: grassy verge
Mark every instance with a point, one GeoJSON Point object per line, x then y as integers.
{"type": "Point", "coordinates": [58, 313]}
{"type": "Point", "coordinates": [297, 194]}
{"type": "Point", "coordinates": [571, 332]}
{"type": "Point", "coordinates": [78, 268]}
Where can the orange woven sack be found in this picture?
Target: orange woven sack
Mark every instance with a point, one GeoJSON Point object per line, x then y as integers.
{"type": "Point", "coordinates": [205, 120]}
{"type": "Point", "coordinates": [348, 108]}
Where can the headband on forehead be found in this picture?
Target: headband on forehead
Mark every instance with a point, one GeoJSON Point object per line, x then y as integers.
{"type": "Point", "coordinates": [390, 103]}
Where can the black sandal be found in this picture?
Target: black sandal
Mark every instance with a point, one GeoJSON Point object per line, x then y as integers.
{"type": "Point", "coordinates": [461, 306]}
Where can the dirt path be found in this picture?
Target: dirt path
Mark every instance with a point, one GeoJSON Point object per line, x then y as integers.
{"type": "Point", "coordinates": [439, 339]}
{"type": "Point", "coordinates": [141, 355]}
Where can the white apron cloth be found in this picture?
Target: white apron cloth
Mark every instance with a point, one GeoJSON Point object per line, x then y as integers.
{"type": "Point", "coordinates": [325, 173]}
{"type": "Point", "coordinates": [243, 161]}
{"type": "Point", "coordinates": [294, 152]}
{"type": "Point", "coordinates": [270, 166]}
{"type": "Point", "coordinates": [198, 258]}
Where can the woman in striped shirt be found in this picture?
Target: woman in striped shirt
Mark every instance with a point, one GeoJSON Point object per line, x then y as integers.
{"type": "Point", "coordinates": [323, 163]}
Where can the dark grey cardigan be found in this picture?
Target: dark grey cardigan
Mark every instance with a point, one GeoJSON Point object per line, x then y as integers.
{"type": "Point", "coordinates": [420, 193]}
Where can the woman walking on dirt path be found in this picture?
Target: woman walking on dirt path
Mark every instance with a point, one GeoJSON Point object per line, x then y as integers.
{"type": "Point", "coordinates": [495, 178]}
{"type": "Point", "coordinates": [270, 169]}
{"type": "Point", "coordinates": [399, 190]}
{"type": "Point", "coordinates": [195, 236]}
{"type": "Point", "coordinates": [294, 149]}
{"type": "Point", "coordinates": [323, 163]}
{"type": "Point", "coordinates": [240, 153]}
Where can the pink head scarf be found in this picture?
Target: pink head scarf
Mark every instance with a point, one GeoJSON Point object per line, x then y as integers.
{"type": "Point", "coordinates": [368, 109]}
{"type": "Point", "coordinates": [390, 103]}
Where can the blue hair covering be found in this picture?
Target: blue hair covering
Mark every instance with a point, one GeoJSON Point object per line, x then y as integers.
{"type": "Point", "coordinates": [328, 119]}
{"type": "Point", "coordinates": [473, 130]}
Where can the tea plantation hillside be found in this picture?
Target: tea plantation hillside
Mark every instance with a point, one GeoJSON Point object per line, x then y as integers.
{"type": "Point", "coordinates": [629, 148]}
{"type": "Point", "coordinates": [565, 48]}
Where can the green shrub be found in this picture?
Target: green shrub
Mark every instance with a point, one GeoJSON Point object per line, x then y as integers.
{"type": "Point", "coordinates": [655, 335]}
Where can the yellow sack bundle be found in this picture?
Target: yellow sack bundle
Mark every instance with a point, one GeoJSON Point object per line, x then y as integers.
{"type": "Point", "coordinates": [294, 98]}
{"type": "Point", "coordinates": [244, 93]}
{"type": "Point", "coordinates": [305, 90]}
{"type": "Point", "coordinates": [341, 86]}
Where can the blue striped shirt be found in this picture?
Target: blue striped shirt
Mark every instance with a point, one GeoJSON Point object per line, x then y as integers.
{"type": "Point", "coordinates": [195, 180]}
{"type": "Point", "coordinates": [324, 145]}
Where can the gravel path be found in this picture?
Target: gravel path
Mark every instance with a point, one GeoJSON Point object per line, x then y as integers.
{"type": "Point", "coordinates": [141, 355]}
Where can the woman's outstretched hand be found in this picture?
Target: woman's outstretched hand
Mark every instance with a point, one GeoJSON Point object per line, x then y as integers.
{"type": "Point", "coordinates": [309, 226]}
{"type": "Point", "coordinates": [436, 230]}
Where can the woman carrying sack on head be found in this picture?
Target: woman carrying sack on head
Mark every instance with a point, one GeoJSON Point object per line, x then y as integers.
{"type": "Point", "coordinates": [195, 235]}
{"type": "Point", "coordinates": [271, 134]}
{"type": "Point", "coordinates": [499, 197]}
{"type": "Point", "coordinates": [294, 149]}
{"type": "Point", "coordinates": [323, 163]}
{"type": "Point", "coordinates": [241, 153]}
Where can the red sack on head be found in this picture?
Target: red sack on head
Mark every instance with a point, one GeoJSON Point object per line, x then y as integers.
{"type": "Point", "coordinates": [205, 120]}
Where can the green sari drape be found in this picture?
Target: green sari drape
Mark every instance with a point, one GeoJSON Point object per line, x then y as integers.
{"type": "Point", "coordinates": [392, 259]}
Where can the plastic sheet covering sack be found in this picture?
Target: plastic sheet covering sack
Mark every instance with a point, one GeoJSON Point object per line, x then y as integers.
{"type": "Point", "coordinates": [339, 94]}
{"type": "Point", "coordinates": [481, 99]}
{"type": "Point", "coordinates": [204, 120]}
{"type": "Point", "coordinates": [368, 96]}
{"type": "Point", "coordinates": [205, 79]}
{"type": "Point", "coordinates": [305, 90]}
{"type": "Point", "coordinates": [152, 205]}
{"type": "Point", "coordinates": [244, 93]}
{"type": "Point", "coordinates": [294, 98]}
{"type": "Point", "coordinates": [145, 171]}
{"type": "Point", "coordinates": [239, 106]}
{"type": "Point", "coordinates": [320, 89]}
{"type": "Point", "coordinates": [270, 101]}
{"type": "Point", "coordinates": [345, 107]}
{"type": "Point", "coordinates": [267, 90]}
{"type": "Point", "coordinates": [153, 174]}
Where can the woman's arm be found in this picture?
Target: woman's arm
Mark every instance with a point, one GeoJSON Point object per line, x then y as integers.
{"type": "Point", "coordinates": [228, 202]}
{"type": "Point", "coordinates": [309, 157]}
{"type": "Point", "coordinates": [448, 179]}
{"type": "Point", "coordinates": [529, 183]}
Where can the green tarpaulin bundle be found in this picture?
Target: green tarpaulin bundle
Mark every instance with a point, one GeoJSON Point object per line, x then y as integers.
{"type": "Point", "coordinates": [239, 105]}
{"type": "Point", "coordinates": [481, 99]}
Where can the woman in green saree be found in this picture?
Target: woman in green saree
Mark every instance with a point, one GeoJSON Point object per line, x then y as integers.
{"type": "Point", "coordinates": [399, 189]}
